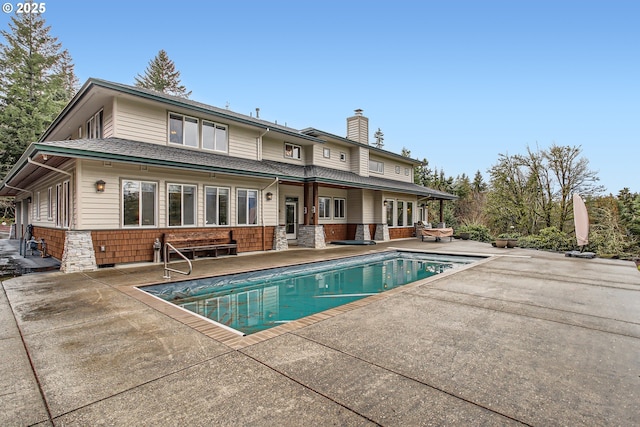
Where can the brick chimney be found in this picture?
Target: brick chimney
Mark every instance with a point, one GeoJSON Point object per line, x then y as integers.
{"type": "Point", "coordinates": [358, 127]}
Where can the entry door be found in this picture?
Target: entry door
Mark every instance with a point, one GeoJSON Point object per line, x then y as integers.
{"type": "Point", "coordinates": [291, 220]}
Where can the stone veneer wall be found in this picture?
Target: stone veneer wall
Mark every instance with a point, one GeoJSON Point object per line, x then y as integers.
{"type": "Point", "coordinates": [311, 236]}
{"type": "Point", "coordinates": [78, 252]}
{"type": "Point", "coordinates": [280, 242]}
{"type": "Point", "coordinates": [363, 232]}
{"type": "Point", "coordinates": [382, 232]}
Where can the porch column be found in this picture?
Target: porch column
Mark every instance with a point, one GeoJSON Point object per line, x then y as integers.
{"type": "Point", "coordinates": [78, 252]}
{"type": "Point", "coordinates": [441, 210]}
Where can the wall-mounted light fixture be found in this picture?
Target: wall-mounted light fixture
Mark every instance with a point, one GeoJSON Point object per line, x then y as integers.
{"type": "Point", "coordinates": [269, 196]}
{"type": "Point", "coordinates": [385, 203]}
{"type": "Point", "coordinates": [28, 199]}
{"type": "Point", "coordinates": [100, 186]}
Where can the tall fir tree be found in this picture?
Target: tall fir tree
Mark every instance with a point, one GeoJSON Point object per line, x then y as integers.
{"type": "Point", "coordinates": [36, 82]}
{"type": "Point", "coordinates": [161, 76]}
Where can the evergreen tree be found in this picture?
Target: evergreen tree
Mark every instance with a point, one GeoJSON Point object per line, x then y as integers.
{"type": "Point", "coordinates": [36, 82]}
{"type": "Point", "coordinates": [161, 76]}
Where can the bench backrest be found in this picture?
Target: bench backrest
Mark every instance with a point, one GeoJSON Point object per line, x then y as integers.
{"type": "Point", "coordinates": [199, 238]}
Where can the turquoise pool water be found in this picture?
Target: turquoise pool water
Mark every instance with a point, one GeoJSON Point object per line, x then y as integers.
{"type": "Point", "coordinates": [258, 300]}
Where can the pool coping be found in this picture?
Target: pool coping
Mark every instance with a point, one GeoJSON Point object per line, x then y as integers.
{"type": "Point", "coordinates": [236, 341]}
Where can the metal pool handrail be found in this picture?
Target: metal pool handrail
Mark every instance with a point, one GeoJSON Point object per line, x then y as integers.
{"type": "Point", "coordinates": [167, 270]}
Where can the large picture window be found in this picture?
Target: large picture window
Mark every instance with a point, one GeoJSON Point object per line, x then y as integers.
{"type": "Point", "coordinates": [389, 205]}
{"type": "Point", "coordinates": [138, 203]}
{"type": "Point", "coordinates": [400, 213]}
{"type": "Point", "coordinates": [216, 206]}
{"type": "Point", "coordinates": [183, 130]}
{"type": "Point", "coordinates": [214, 136]}
{"type": "Point", "coordinates": [182, 205]}
{"type": "Point", "coordinates": [247, 207]}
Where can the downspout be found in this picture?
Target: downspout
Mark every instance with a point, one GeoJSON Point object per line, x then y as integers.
{"type": "Point", "coordinates": [264, 230]}
{"type": "Point", "coordinates": [259, 144]}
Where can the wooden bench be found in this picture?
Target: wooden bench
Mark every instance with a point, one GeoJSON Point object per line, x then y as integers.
{"type": "Point", "coordinates": [195, 244]}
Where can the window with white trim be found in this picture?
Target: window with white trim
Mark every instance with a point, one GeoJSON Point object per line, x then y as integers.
{"type": "Point", "coordinates": [247, 206]}
{"type": "Point", "coordinates": [376, 166]}
{"type": "Point", "coordinates": [216, 207]}
{"type": "Point", "coordinates": [50, 203]}
{"type": "Point", "coordinates": [183, 130]}
{"type": "Point", "coordinates": [214, 136]}
{"type": "Point", "coordinates": [397, 169]}
{"type": "Point", "coordinates": [410, 213]}
{"type": "Point", "coordinates": [63, 200]}
{"type": "Point", "coordinates": [326, 153]}
{"type": "Point", "coordinates": [94, 126]}
{"type": "Point", "coordinates": [292, 151]}
{"type": "Point", "coordinates": [36, 207]}
{"type": "Point", "coordinates": [339, 208]}
{"type": "Point", "coordinates": [139, 203]}
{"type": "Point", "coordinates": [400, 214]}
{"type": "Point", "coordinates": [181, 205]}
{"type": "Point", "coordinates": [324, 207]}
{"type": "Point", "coordinates": [389, 205]}
{"type": "Point", "coordinates": [343, 157]}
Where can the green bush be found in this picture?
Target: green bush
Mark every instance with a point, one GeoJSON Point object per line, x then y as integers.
{"type": "Point", "coordinates": [548, 239]}
{"type": "Point", "coordinates": [476, 232]}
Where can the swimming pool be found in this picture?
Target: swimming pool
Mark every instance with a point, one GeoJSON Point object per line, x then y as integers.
{"type": "Point", "coordinates": [258, 300]}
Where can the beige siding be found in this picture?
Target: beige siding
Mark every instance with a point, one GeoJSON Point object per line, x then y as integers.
{"type": "Point", "coordinates": [243, 142]}
{"type": "Point", "coordinates": [293, 191]}
{"type": "Point", "coordinates": [390, 169]}
{"type": "Point", "coordinates": [334, 156]}
{"type": "Point", "coordinates": [359, 160]}
{"type": "Point", "coordinates": [102, 211]}
{"type": "Point", "coordinates": [51, 180]}
{"type": "Point", "coordinates": [273, 149]}
{"type": "Point", "coordinates": [107, 121]}
{"type": "Point", "coordinates": [140, 122]}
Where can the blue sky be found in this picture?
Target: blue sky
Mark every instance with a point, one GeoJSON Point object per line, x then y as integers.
{"type": "Point", "coordinates": [456, 82]}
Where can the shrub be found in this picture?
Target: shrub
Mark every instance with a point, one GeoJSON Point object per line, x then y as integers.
{"type": "Point", "coordinates": [549, 239]}
{"type": "Point", "coordinates": [476, 232]}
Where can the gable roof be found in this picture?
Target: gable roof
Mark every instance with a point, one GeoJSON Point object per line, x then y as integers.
{"type": "Point", "coordinates": [176, 102]}
{"type": "Point", "coordinates": [143, 153]}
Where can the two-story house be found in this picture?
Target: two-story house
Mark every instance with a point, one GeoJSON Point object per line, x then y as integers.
{"type": "Point", "coordinates": [122, 165]}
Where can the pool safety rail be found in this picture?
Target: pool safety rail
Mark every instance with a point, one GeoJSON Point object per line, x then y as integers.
{"type": "Point", "coordinates": [167, 270]}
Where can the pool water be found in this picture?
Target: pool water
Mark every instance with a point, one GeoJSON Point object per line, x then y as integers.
{"type": "Point", "coordinates": [259, 300]}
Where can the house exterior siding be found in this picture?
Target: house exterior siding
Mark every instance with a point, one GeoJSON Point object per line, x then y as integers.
{"type": "Point", "coordinates": [337, 197]}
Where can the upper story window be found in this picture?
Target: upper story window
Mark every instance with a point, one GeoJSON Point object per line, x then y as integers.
{"type": "Point", "coordinates": [292, 151]}
{"type": "Point", "coordinates": [94, 126]}
{"type": "Point", "coordinates": [376, 166]}
{"type": "Point", "coordinates": [343, 157]}
{"type": "Point", "coordinates": [193, 132]}
{"type": "Point", "coordinates": [326, 153]}
{"type": "Point", "coordinates": [397, 169]}
{"type": "Point", "coordinates": [183, 130]}
{"type": "Point", "coordinates": [214, 136]}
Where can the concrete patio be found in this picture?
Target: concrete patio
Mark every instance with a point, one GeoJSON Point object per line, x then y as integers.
{"type": "Point", "coordinates": [524, 338]}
